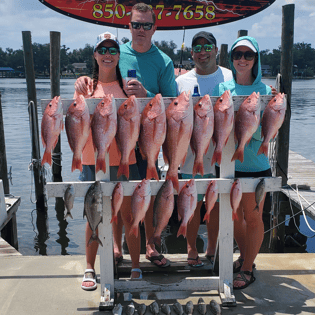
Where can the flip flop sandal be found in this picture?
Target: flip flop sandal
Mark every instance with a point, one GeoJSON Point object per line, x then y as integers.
{"type": "Point", "coordinates": [209, 257]}
{"type": "Point", "coordinates": [195, 265]}
{"type": "Point", "coordinates": [89, 276]}
{"type": "Point", "coordinates": [241, 277]}
{"type": "Point", "coordinates": [137, 270]}
{"type": "Point", "coordinates": [240, 261]}
{"type": "Point", "coordinates": [159, 258]}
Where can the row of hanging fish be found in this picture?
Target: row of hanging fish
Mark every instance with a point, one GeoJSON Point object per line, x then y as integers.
{"type": "Point", "coordinates": [178, 309]}
{"type": "Point", "coordinates": [174, 129]}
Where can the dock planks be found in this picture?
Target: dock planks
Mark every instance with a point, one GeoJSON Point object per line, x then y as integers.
{"type": "Point", "coordinates": [301, 174]}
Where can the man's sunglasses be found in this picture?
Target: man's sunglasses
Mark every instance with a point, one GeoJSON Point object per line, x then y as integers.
{"type": "Point", "coordinates": [137, 25]}
{"type": "Point", "coordinates": [103, 50]}
{"type": "Point", "coordinates": [207, 47]}
{"type": "Point", "coordinates": [248, 55]}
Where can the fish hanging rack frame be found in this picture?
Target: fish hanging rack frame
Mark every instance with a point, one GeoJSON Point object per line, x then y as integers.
{"type": "Point", "coordinates": [221, 283]}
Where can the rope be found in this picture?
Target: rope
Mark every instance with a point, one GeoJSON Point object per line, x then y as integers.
{"type": "Point", "coordinates": [181, 54]}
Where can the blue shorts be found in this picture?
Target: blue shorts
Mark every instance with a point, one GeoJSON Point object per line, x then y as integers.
{"type": "Point", "coordinates": [189, 176]}
{"type": "Point", "coordinates": [88, 173]}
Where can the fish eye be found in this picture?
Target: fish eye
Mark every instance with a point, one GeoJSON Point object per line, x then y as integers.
{"type": "Point", "coordinates": [221, 99]}
{"type": "Point", "coordinates": [75, 104]}
{"type": "Point", "coordinates": [125, 106]}
{"type": "Point", "coordinates": [102, 103]}
{"type": "Point", "coordinates": [50, 104]}
{"type": "Point", "coordinates": [176, 103]}
{"type": "Point", "coordinates": [200, 104]}
{"type": "Point", "coordinates": [151, 104]}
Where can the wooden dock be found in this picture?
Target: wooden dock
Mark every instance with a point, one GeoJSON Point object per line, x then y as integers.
{"type": "Point", "coordinates": [301, 185]}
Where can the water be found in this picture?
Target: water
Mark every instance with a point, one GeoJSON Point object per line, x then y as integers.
{"type": "Point", "coordinates": [53, 235]}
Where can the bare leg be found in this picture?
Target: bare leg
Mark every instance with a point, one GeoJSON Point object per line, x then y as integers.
{"type": "Point", "coordinates": [133, 242]}
{"type": "Point", "coordinates": [191, 236]}
{"type": "Point", "coordinates": [213, 230]}
{"type": "Point", "coordinates": [149, 230]}
{"type": "Point", "coordinates": [117, 236]}
{"type": "Point", "coordinates": [254, 233]}
{"type": "Point", "coordinates": [90, 252]}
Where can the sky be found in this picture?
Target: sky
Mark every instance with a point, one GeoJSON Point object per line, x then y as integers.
{"type": "Point", "coordinates": [31, 15]}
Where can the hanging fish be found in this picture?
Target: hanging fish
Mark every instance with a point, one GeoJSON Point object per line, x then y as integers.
{"type": "Point", "coordinates": [68, 200]}
{"type": "Point", "coordinates": [259, 193]}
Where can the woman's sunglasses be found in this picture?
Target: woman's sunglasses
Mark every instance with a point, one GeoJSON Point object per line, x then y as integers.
{"type": "Point", "coordinates": [103, 50]}
{"type": "Point", "coordinates": [137, 25]}
{"type": "Point", "coordinates": [207, 47]}
{"type": "Point", "coordinates": [248, 55]}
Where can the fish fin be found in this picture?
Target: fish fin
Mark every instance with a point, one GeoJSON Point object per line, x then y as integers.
{"type": "Point", "coordinates": [238, 155]}
{"type": "Point", "coordinates": [182, 230]}
{"type": "Point", "coordinates": [216, 158]}
{"type": "Point", "coordinates": [114, 219]}
{"type": "Point", "coordinates": [174, 180]}
{"type": "Point", "coordinates": [165, 154]}
{"type": "Point", "coordinates": [206, 217]}
{"type": "Point", "coordinates": [76, 164]}
{"type": "Point", "coordinates": [100, 164]}
{"type": "Point", "coordinates": [152, 173]}
{"type": "Point", "coordinates": [198, 168]}
{"type": "Point", "coordinates": [123, 169]}
{"type": "Point", "coordinates": [46, 158]}
{"type": "Point", "coordinates": [142, 154]}
{"type": "Point", "coordinates": [234, 216]}
{"type": "Point", "coordinates": [263, 149]}
{"type": "Point", "coordinates": [68, 214]}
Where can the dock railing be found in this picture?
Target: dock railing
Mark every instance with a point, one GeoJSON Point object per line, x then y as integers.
{"type": "Point", "coordinates": [222, 283]}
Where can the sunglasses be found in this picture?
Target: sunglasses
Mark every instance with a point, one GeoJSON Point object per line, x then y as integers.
{"type": "Point", "coordinates": [248, 55]}
{"type": "Point", "coordinates": [207, 47]}
{"type": "Point", "coordinates": [137, 25]}
{"type": "Point", "coordinates": [103, 50]}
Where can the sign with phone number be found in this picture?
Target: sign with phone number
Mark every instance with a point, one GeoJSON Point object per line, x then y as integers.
{"type": "Point", "coordinates": [170, 14]}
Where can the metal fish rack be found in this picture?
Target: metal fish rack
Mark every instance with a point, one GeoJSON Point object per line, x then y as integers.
{"type": "Point", "coordinates": [221, 283]}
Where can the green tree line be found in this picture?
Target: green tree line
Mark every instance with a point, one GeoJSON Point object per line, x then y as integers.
{"type": "Point", "coordinates": [303, 57]}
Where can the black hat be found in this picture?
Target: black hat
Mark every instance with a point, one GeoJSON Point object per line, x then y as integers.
{"type": "Point", "coordinates": [208, 36]}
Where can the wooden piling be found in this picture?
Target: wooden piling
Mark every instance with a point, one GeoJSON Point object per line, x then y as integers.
{"type": "Point", "coordinates": [282, 147]}
{"type": "Point", "coordinates": [39, 179]}
{"type": "Point", "coordinates": [3, 156]}
{"type": "Point", "coordinates": [224, 56]}
{"type": "Point", "coordinates": [55, 91]}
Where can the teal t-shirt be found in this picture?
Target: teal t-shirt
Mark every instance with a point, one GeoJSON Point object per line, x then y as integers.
{"type": "Point", "coordinates": [154, 69]}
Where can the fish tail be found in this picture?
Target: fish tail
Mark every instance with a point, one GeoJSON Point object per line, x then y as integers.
{"type": "Point", "coordinates": [94, 237]}
{"type": "Point", "coordinates": [68, 214]}
{"type": "Point", "coordinates": [76, 164]}
{"type": "Point", "coordinates": [182, 230]}
{"type": "Point", "coordinates": [256, 208]}
{"type": "Point", "coordinates": [114, 219]}
{"type": "Point", "coordinates": [123, 169]}
{"type": "Point", "coordinates": [46, 158]}
{"type": "Point", "coordinates": [238, 155]}
{"type": "Point", "coordinates": [134, 230]}
{"type": "Point", "coordinates": [216, 158]}
{"type": "Point", "coordinates": [174, 180]}
{"type": "Point", "coordinates": [234, 216]}
{"type": "Point", "coordinates": [100, 164]}
{"type": "Point", "coordinates": [263, 149]}
{"type": "Point", "coordinates": [198, 168]}
{"type": "Point", "coordinates": [152, 173]}
{"type": "Point", "coordinates": [206, 217]}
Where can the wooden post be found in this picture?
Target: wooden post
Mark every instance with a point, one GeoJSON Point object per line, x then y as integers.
{"type": "Point", "coordinates": [286, 66]}
{"type": "Point", "coordinates": [282, 147]}
{"type": "Point", "coordinates": [242, 33]}
{"type": "Point", "coordinates": [31, 93]}
{"type": "Point", "coordinates": [224, 56]}
{"type": "Point", "coordinates": [3, 156]}
{"type": "Point", "coordinates": [55, 91]}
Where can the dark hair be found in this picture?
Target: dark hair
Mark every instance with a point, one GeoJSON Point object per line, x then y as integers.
{"type": "Point", "coordinates": [96, 72]}
{"type": "Point", "coordinates": [142, 7]}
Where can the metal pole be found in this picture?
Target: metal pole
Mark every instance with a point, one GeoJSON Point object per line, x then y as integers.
{"type": "Point", "coordinates": [224, 56]}
{"type": "Point", "coordinates": [31, 93]}
{"type": "Point", "coordinates": [55, 91]}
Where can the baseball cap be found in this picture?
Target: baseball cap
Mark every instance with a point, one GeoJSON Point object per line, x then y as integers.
{"type": "Point", "coordinates": [208, 36]}
{"type": "Point", "coordinates": [106, 36]}
{"type": "Point", "coordinates": [247, 43]}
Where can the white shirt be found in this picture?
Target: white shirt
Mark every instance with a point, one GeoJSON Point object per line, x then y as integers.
{"type": "Point", "coordinates": [207, 83]}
